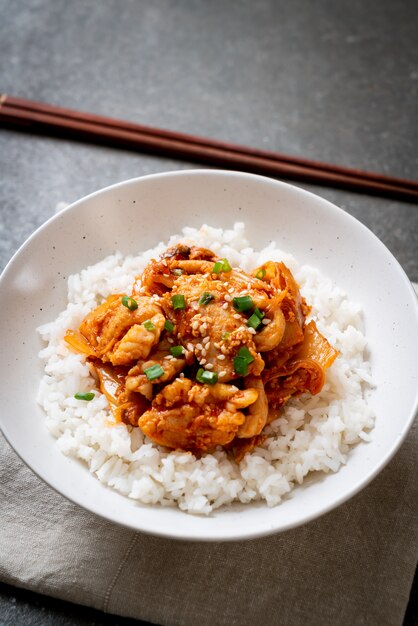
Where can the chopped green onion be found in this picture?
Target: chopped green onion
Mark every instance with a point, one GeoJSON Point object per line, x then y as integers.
{"type": "Point", "coordinates": [206, 377]}
{"type": "Point", "coordinates": [217, 268]}
{"type": "Point", "coordinates": [148, 325]}
{"type": "Point", "coordinates": [153, 372]}
{"type": "Point", "coordinates": [243, 303]}
{"type": "Point", "coordinates": [177, 272]}
{"type": "Point", "coordinates": [254, 321]}
{"type": "Point", "coordinates": [225, 336]}
{"type": "Point", "coordinates": [84, 396]}
{"type": "Point", "coordinates": [205, 298]}
{"type": "Point", "coordinates": [260, 274]}
{"type": "Point", "coordinates": [242, 361]}
{"type": "Point", "coordinates": [240, 366]}
{"type": "Point", "coordinates": [168, 326]}
{"type": "Point", "coordinates": [178, 301]}
{"type": "Point", "coordinates": [130, 303]}
{"type": "Point", "coordinates": [221, 266]}
{"type": "Point", "coordinates": [244, 353]}
{"type": "Point", "coordinates": [177, 351]}
{"type": "Point", "coordinates": [226, 266]}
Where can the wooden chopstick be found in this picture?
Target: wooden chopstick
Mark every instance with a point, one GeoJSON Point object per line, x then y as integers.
{"type": "Point", "coordinates": [48, 119]}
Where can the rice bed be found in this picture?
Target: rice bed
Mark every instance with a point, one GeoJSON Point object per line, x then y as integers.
{"type": "Point", "coordinates": [313, 433]}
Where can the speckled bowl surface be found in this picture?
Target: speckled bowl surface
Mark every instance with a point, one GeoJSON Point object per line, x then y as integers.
{"type": "Point", "coordinates": [135, 215]}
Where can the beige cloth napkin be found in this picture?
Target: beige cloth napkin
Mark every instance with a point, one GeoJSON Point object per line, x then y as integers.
{"type": "Point", "coordinates": [353, 566]}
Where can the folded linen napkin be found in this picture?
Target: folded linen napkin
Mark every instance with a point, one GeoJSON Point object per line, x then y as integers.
{"type": "Point", "coordinates": [354, 565]}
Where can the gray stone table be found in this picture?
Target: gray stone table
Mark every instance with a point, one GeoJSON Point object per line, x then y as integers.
{"type": "Point", "coordinates": [329, 80]}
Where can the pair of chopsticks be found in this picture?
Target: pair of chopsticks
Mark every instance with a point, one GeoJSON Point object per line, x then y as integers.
{"type": "Point", "coordinates": [51, 120]}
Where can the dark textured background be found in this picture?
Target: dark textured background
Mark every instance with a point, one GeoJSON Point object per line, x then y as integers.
{"type": "Point", "coordinates": [328, 80]}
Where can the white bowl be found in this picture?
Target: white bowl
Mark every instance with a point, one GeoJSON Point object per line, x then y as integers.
{"type": "Point", "coordinates": [135, 215]}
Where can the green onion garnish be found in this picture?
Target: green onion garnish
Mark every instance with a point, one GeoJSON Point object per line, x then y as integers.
{"type": "Point", "coordinates": [153, 372]}
{"type": "Point", "coordinates": [168, 326]}
{"type": "Point", "coordinates": [148, 325]}
{"type": "Point", "coordinates": [240, 366]}
{"type": "Point", "coordinates": [177, 351]}
{"type": "Point", "coordinates": [226, 267]}
{"type": "Point", "coordinates": [244, 353]}
{"type": "Point", "coordinates": [242, 361]}
{"type": "Point", "coordinates": [177, 272]}
{"type": "Point", "coordinates": [205, 298]}
{"type": "Point", "coordinates": [178, 301]}
{"type": "Point", "coordinates": [243, 303]}
{"type": "Point", "coordinates": [130, 303]}
{"type": "Point", "coordinates": [254, 321]}
{"type": "Point", "coordinates": [217, 268]}
{"type": "Point", "coordinates": [206, 377]}
{"type": "Point", "coordinates": [221, 266]}
{"type": "Point", "coordinates": [84, 396]}
{"type": "Point", "coordinates": [260, 274]}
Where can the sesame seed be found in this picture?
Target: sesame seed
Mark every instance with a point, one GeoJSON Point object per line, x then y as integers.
{"type": "Point", "coordinates": [206, 339]}
{"type": "Point", "coordinates": [202, 361]}
{"type": "Point", "coordinates": [217, 345]}
{"type": "Point", "coordinates": [237, 316]}
{"type": "Point", "coordinates": [248, 285]}
{"type": "Point", "coordinates": [190, 347]}
{"type": "Point", "coordinates": [164, 261]}
{"type": "Point", "coordinates": [170, 340]}
{"type": "Point", "coordinates": [195, 325]}
{"type": "Point", "coordinates": [252, 331]}
{"type": "Point", "coordinates": [226, 284]}
{"type": "Point", "coordinates": [227, 297]}
{"type": "Point", "coordinates": [203, 328]}
{"type": "Point", "coordinates": [203, 352]}
{"type": "Point", "coordinates": [209, 366]}
{"type": "Point", "coordinates": [199, 346]}
{"type": "Point", "coordinates": [221, 357]}
{"type": "Point", "coordinates": [225, 305]}
{"type": "Point", "coordinates": [182, 375]}
{"type": "Point", "coordinates": [231, 290]}
{"type": "Point", "coordinates": [266, 321]}
{"type": "Point", "coordinates": [223, 373]}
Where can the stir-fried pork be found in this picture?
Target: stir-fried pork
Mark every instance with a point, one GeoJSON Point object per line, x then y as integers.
{"type": "Point", "coordinates": [201, 354]}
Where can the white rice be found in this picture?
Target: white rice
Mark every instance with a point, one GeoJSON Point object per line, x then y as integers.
{"type": "Point", "coordinates": [314, 433]}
